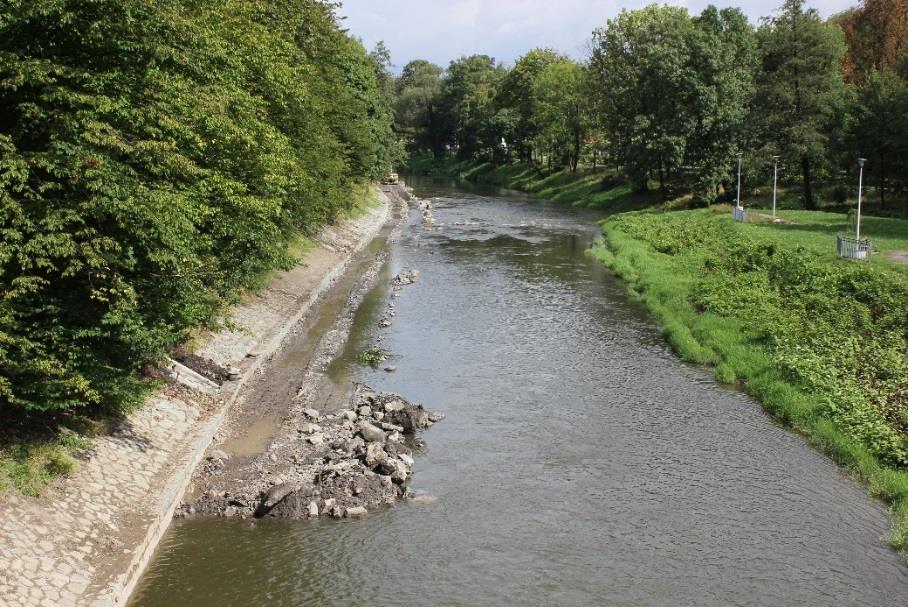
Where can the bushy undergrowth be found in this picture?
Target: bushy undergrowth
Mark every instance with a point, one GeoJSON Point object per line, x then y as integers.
{"type": "Point", "coordinates": [822, 342]}
{"type": "Point", "coordinates": [156, 156]}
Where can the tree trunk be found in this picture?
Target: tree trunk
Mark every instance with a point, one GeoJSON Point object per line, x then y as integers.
{"type": "Point", "coordinates": [808, 192]}
{"type": "Point", "coordinates": [882, 183]}
{"type": "Point", "coordinates": [576, 159]}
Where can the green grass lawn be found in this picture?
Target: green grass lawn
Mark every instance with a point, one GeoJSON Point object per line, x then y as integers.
{"type": "Point", "coordinates": [815, 231]}
{"type": "Point", "coordinates": [822, 342]}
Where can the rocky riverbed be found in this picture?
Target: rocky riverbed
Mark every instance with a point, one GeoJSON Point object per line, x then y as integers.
{"type": "Point", "coordinates": [341, 464]}
{"type": "Point", "coordinates": [302, 446]}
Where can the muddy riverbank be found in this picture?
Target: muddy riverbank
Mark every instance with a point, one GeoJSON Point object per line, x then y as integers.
{"type": "Point", "coordinates": [302, 443]}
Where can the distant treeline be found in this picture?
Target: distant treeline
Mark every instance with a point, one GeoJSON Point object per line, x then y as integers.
{"type": "Point", "coordinates": [667, 98]}
{"type": "Point", "coordinates": [157, 157]}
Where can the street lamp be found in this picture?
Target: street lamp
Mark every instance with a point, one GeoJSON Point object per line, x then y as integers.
{"type": "Point", "coordinates": [857, 234]}
{"type": "Point", "coordinates": [775, 183]}
{"type": "Point", "coordinates": [739, 154]}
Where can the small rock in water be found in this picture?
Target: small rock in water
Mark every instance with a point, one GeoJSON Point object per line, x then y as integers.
{"type": "Point", "coordinates": [356, 511]}
{"type": "Point", "coordinates": [406, 459]}
{"type": "Point", "coordinates": [384, 323]}
{"type": "Point", "coordinates": [390, 368]}
{"type": "Point", "coordinates": [406, 278]}
{"type": "Point", "coordinates": [423, 499]}
{"type": "Point", "coordinates": [313, 510]}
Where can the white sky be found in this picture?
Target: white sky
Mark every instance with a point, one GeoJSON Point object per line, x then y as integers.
{"type": "Point", "coordinates": [442, 30]}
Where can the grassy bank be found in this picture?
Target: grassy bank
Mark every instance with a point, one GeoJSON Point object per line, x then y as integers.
{"type": "Point", "coordinates": [604, 189]}
{"type": "Point", "coordinates": [599, 189]}
{"type": "Point", "coordinates": [821, 342]}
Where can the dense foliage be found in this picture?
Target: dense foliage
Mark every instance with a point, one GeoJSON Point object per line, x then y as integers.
{"type": "Point", "coordinates": [156, 156]}
{"type": "Point", "coordinates": [669, 99]}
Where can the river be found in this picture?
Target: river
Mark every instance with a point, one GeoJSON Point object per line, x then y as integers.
{"type": "Point", "coordinates": [580, 463]}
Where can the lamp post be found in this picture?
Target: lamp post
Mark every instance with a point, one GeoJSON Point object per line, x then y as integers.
{"type": "Point", "coordinates": [738, 201]}
{"type": "Point", "coordinates": [775, 183]}
{"type": "Point", "coordinates": [857, 234]}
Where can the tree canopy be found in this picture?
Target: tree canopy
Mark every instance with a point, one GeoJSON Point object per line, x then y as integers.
{"type": "Point", "coordinates": [669, 99]}
{"type": "Point", "coordinates": [156, 157]}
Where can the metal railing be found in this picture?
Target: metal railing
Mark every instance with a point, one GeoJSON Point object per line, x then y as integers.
{"type": "Point", "coordinates": [739, 214]}
{"type": "Point", "coordinates": [852, 248]}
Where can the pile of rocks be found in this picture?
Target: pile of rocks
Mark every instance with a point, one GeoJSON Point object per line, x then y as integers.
{"type": "Point", "coordinates": [426, 207]}
{"type": "Point", "coordinates": [407, 277]}
{"type": "Point", "coordinates": [352, 461]}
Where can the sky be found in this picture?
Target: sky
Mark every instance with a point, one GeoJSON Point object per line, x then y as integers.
{"type": "Point", "coordinates": [442, 30]}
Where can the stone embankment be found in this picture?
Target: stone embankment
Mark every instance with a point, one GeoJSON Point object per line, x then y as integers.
{"type": "Point", "coordinates": [88, 539]}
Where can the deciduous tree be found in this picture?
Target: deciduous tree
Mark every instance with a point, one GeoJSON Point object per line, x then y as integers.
{"type": "Point", "coordinates": [801, 92]}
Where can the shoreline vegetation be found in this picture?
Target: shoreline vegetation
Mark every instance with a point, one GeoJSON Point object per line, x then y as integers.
{"type": "Point", "coordinates": [158, 161]}
{"type": "Point", "coordinates": [819, 341]}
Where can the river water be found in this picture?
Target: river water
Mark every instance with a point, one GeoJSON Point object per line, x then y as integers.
{"type": "Point", "coordinates": [580, 462]}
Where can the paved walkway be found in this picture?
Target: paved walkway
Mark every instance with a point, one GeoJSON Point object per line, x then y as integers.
{"type": "Point", "coordinates": [86, 541]}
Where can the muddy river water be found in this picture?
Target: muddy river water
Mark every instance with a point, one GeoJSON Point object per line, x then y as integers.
{"type": "Point", "coordinates": [580, 462]}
